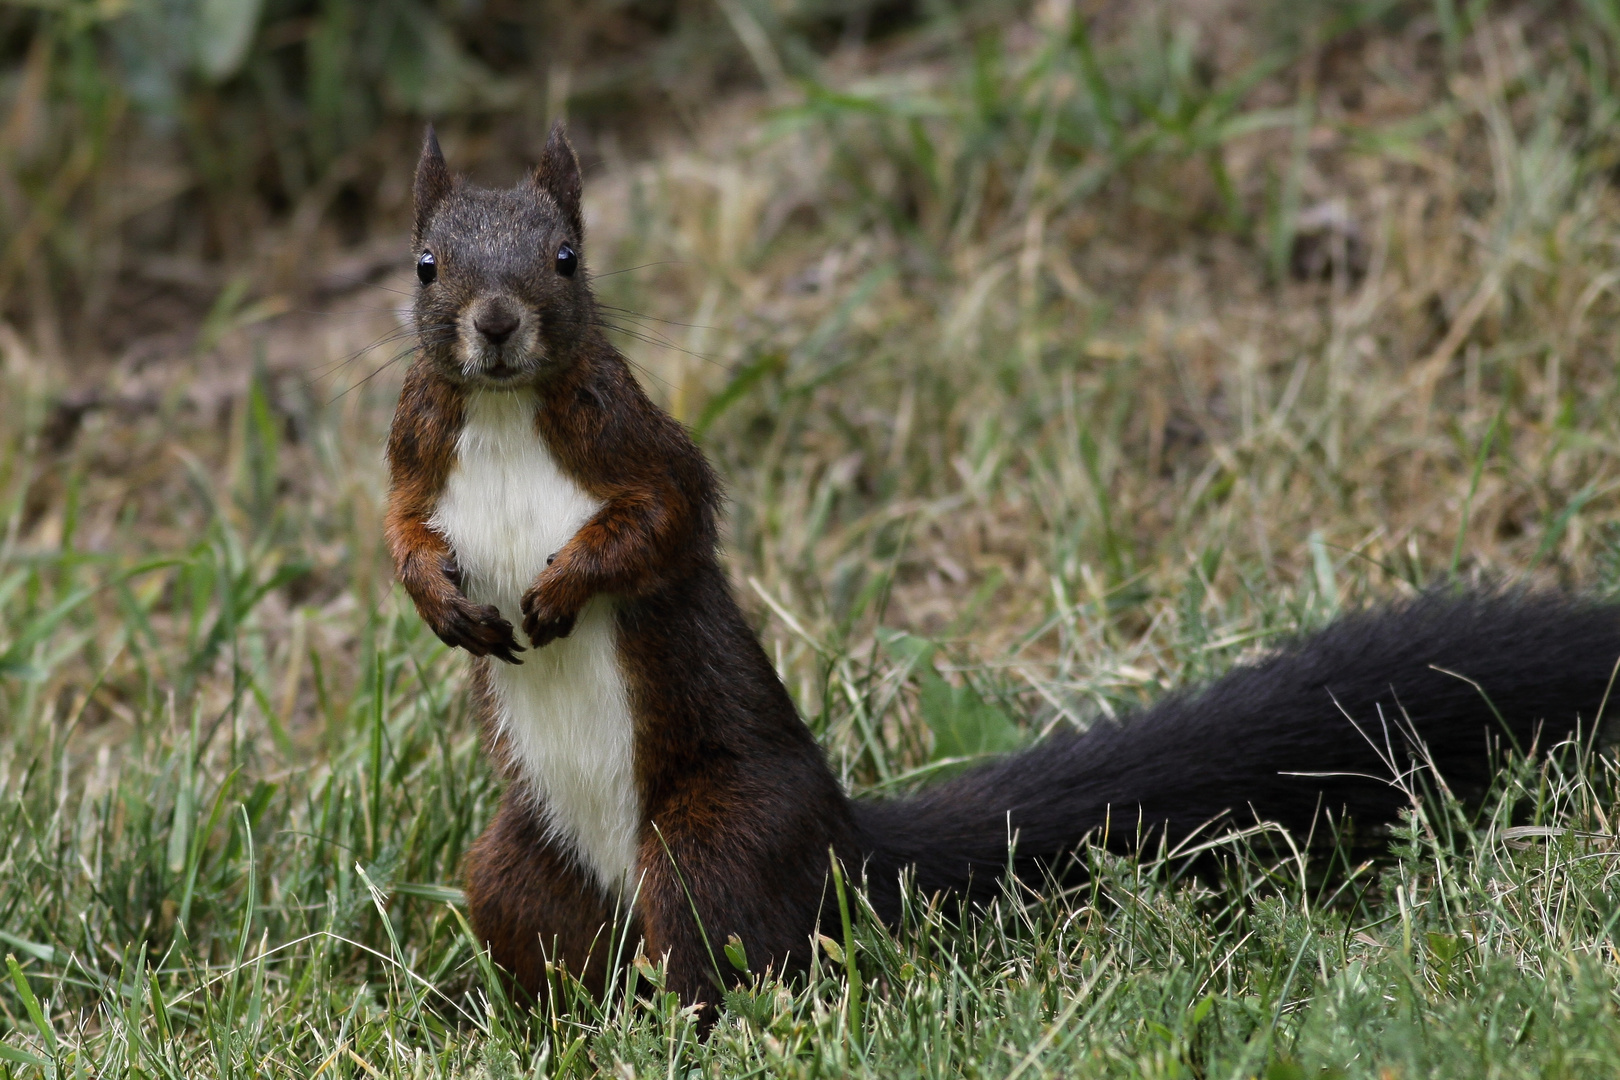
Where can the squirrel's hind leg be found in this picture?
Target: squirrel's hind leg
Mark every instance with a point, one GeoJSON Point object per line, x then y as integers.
{"type": "Point", "coordinates": [531, 903]}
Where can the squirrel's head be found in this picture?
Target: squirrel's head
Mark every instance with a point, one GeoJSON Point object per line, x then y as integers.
{"type": "Point", "coordinates": [503, 297]}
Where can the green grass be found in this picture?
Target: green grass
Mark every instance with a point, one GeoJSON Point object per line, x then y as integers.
{"type": "Point", "coordinates": [990, 326]}
{"type": "Point", "coordinates": [197, 909]}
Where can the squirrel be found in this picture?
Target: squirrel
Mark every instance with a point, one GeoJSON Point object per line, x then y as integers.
{"type": "Point", "coordinates": [658, 777]}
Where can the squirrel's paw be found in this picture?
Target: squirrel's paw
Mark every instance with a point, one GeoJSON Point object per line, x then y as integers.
{"type": "Point", "coordinates": [543, 622]}
{"type": "Point", "coordinates": [479, 629]}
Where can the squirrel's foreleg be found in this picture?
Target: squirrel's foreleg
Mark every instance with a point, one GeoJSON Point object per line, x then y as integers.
{"type": "Point", "coordinates": [421, 448]}
{"type": "Point", "coordinates": [622, 549]}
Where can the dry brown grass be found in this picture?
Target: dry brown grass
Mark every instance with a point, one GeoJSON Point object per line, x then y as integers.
{"type": "Point", "coordinates": [1055, 416]}
{"type": "Point", "coordinates": [1084, 401]}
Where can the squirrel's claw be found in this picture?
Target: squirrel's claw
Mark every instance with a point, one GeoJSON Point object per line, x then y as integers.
{"type": "Point", "coordinates": [480, 630]}
{"type": "Point", "coordinates": [546, 621]}
{"type": "Point", "coordinates": [504, 652]}
{"type": "Point", "coordinates": [543, 632]}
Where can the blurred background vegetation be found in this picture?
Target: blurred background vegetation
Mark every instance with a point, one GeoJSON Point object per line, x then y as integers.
{"type": "Point", "coordinates": [1056, 353]}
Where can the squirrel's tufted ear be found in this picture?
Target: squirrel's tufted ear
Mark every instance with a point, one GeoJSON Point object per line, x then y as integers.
{"type": "Point", "coordinates": [558, 176]}
{"type": "Point", "coordinates": [433, 181]}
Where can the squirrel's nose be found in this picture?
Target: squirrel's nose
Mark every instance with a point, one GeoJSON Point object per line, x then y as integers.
{"type": "Point", "coordinates": [496, 322]}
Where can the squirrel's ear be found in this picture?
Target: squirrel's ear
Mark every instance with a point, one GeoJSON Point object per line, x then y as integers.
{"type": "Point", "coordinates": [558, 176]}
{"type": "Point", "coordinates": [433, 181]}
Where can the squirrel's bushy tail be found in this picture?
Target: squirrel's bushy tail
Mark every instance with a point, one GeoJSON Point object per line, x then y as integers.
{"type": "Point", "coordinates": [1465, 675]}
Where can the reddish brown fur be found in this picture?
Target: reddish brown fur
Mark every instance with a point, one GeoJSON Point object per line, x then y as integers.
{"type": "Point", "coordinates": [656, 490]}
{"type": "Point", "coordinates": [533, 905]}
{"type": "Point", "coordinates": [716, 738]}
{"type": "Point", "coordinates": [421, 452]}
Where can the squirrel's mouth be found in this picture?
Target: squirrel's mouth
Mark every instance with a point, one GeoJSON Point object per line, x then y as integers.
{"type": "Point", "coordinates": [498, 367]}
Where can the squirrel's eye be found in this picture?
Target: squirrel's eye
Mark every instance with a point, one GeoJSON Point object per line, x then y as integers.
{"type": "Point", "coordinates": [427, 268]}
{"type": "Point", "coordinates": [567, 261]}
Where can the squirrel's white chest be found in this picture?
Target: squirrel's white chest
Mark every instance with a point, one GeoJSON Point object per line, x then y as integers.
{"type": "Point", "coordinates": [565, 711]}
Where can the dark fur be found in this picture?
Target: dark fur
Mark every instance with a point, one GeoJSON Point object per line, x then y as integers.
{"type": "Point", "coordinates": [740, 807]}
{"type": "Point", "coordinates": [1345, 701]}
{"type": "Point", "coordinates": [717, 740]}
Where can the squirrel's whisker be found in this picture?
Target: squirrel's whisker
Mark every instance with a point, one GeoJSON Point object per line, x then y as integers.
{"type": "Point", "coordinates": [387, 339]}
{"type": "Point", "coordinates": [390, 362]}
{"type": "Point", "coordinates": [628, 313]}
{"type": "Point", "coordinates": [643, 266]}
